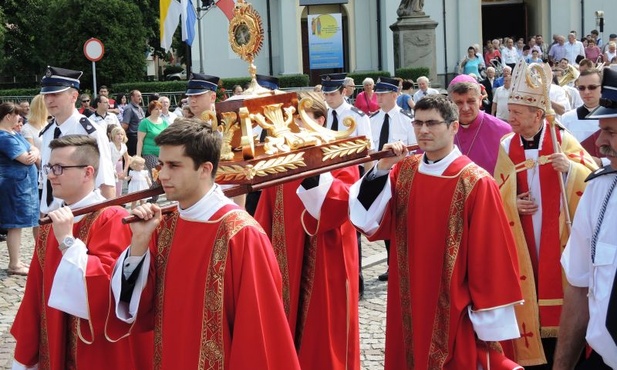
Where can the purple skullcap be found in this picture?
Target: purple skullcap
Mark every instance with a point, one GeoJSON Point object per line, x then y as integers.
{"type": "Point", "coordinates": [462, 78]}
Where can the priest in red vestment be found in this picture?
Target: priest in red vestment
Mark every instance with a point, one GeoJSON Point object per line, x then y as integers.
{"type": "Point", "coordinates": [528, 172]}
{"type": "Point", "coordinates": [206, 274]}
{"type": "Point", "coordinates": [316, 248]}
{"type": "Point", "coordinates": [453, 277]}
{"type": "Point", "coordinates": [62, 319]}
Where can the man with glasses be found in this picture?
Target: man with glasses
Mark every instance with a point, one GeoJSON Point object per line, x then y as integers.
{"type": "Point", "coordinates": [60, 89]}
{"type": "Point", "coordinates": [585, 130]}
{"type": "Point", "coordinates": [529, 171]}
{"type": "Point", "coordinates": [67, 292]}
{"type": "Point", "coordinates": [443, 311]}
{"type": "Point", "coordinates": [350, 86]}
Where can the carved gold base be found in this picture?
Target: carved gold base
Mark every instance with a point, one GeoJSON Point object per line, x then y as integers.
{"type": "Point", "coordinates": [266, 167]}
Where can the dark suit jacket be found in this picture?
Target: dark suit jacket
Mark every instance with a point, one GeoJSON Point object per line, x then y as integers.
{"type": "Point", "coordinates": [489, 90]}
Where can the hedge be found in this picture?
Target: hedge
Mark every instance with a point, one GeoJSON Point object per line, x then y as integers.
{"type": "Point", "coordinates": [412, 73]}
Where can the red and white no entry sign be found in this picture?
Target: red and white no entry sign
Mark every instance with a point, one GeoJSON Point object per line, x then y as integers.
{"type": "Point", "coordinates": [94, 49]}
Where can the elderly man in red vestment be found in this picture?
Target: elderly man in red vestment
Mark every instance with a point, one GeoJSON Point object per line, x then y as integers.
{"type": "Point", "coordinates": [61, 321]}
{"type": "Point", "coordinates": [479, 132]}
{"type": "Point", "coordinates": [207, 273]}
{"type": "Point", "coordinates": [454, 282]}
{"type": "Point", "coordinates": [316, 247]}
{"type": "Point", "coordinates": [528, 172]}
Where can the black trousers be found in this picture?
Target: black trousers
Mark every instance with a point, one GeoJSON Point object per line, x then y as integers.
{"type": "Point", "coordinates": [131, 144]}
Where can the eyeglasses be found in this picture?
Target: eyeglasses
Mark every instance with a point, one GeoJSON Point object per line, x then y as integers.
{"type": "Point", "coordinates": [588, 87]}
{"type": "Point", "coordinates": [85, 101]}
{"type": "Point", "coordinates": [58, 169]}
{"type": "Point", "coordinates": [429, 124]}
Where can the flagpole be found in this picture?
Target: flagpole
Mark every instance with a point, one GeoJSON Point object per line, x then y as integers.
{"type": "Point", "coordinates": [201, 58]}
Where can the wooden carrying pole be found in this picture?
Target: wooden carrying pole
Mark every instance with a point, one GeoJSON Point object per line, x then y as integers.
{"type": "Point", "coordinates": [230, 192]}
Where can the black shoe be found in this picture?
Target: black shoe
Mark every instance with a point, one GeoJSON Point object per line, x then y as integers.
{"type": "Point", "coordinates": [384, 276]}
{"type": "Point", "coordinates": [2, 237]}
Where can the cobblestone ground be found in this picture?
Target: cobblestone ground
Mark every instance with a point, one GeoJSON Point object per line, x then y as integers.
{"type": "Point", "coordinates": [372, 307]}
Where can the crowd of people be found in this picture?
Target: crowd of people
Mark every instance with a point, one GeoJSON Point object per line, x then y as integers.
{"type": "Point", "coordinates": [509, 169]}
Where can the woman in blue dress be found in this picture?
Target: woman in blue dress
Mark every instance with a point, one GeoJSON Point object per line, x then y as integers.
{"type": "Point", "coordinates": [19, 202]}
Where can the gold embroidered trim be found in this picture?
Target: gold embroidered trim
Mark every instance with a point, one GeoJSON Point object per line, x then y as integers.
{"type": "Point", "coordinates": [306, 287]}
{"type": "Point", "coordinates": [165, 229]}
{"type": "Point", "coordinates": [403, 188]}
{"type": "Point", "coordinates": [279, 245]}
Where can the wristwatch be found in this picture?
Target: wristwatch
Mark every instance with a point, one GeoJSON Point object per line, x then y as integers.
{"type": "Point", "coordinates": [66, 243]}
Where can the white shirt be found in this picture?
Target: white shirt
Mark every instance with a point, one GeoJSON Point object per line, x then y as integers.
{"type": "Point", "coordinates": [104, 122]}
{"type": "Point", "coordinates": [420, 94]}
{"type": "Point", "coordinates": [500, 97]}
{"type": "Point", "coordinates": [509, 56]}
{"type": "Point", "coordinates": [573, 50]}
{"type": "Point", "coordinates": [597, 276]}
{"type": "Point", "coordinates": [72, 126]}
{"type": "Point", "coordinates": [400, 126]}
{"type": "Point", "coordinates": [170, 117]}
{"type": "Point", "coordinates": [581, 129]}
{"type": "Point", "coordinates": [363, 124]}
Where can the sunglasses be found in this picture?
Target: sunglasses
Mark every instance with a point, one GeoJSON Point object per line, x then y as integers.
{"type": "Point", "coordinates": [85, 101]}
{"type": "Point", "coordinates": [588, 87]}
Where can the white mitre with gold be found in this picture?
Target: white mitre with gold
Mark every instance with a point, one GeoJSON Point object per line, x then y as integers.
{"type": "Point", "coordinates": [531, 84]}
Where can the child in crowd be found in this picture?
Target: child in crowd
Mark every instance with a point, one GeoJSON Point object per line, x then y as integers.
{"type": "Point", "coordinates": [139, 177]}
{"type": "Point", "coordinates": [117, 146]}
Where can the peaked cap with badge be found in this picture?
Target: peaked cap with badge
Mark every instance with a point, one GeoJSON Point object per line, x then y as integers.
{"type": "Point", "coordinates": [59, 79]}
{"type": "Point", "coordinates": [200, 84]}
{"type": "Point", "coordinates": [386, 85]}
{"type": "Point", "coordinates": [332, 82]}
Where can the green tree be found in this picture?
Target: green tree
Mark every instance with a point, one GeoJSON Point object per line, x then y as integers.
{"type": "Point", "coordinates": [21, 48]}
{"type": "Point", "coordinates": [118, 24]}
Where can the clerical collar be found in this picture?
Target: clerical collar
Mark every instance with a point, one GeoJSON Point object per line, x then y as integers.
{"type": "Point", "coordinates": [534, 143]}
{"type": "Point", "coordinates": [428, 161]}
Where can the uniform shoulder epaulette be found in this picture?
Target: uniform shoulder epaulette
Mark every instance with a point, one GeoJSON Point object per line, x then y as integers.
{"type": "Point", "coordinates": [406, 113]}
{"type": "Point", "coordinates": [374, 114]}
{"type": "Point", "coordinates": [53, 120]}
{"type": "Point", "coordinates": [360, 112]}
{"type": "Point", "coordinates": [601, 172]}
{"type": "Point", "coordinates": [87, 125]}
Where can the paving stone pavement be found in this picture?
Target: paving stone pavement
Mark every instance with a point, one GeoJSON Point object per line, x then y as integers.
{"type": "Point", "coordinates": [372, 309]}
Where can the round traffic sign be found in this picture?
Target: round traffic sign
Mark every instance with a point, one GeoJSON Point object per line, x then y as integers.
{"type": "Point", "coordinates": [94, 49]}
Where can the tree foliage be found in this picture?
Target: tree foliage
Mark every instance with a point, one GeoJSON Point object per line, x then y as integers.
{"type": "Point", "coordinates": [53, 32]}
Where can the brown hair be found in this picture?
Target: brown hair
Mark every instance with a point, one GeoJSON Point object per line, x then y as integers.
{"type": "Point", "coordinates": [200, 143]}
{"type": "Point", "coordinates": [86, 149]}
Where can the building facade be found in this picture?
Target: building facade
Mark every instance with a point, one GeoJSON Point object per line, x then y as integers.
{"type": "Point", "coordinates": [368, 40]}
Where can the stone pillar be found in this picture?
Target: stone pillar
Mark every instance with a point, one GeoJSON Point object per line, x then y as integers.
{"type": "Point", "coordinates": [415, 43]}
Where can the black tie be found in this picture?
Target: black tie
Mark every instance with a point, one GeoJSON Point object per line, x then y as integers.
{"type": "Point", "coordinates": [334, 121]}
{"type": "Point", "coordinates": [385, 132]}
{"type": "Point", "coordinates": [50, 196]}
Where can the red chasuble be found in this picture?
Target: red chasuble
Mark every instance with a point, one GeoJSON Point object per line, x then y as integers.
{"type": "Point", "coordinates": [56, 340]}
{"type": "Point", "coordinates": [453, 249]}
{"type": "Point", "coordinates": [217, 302]}
{"type": "Point", "coordinates": [319, 263]}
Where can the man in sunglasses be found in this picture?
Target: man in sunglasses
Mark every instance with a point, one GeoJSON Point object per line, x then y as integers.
{"type": "Point", "coordinates": [585, 130]}
{"type": "Point", "coordinates": [454, 277]}
{"type": "Point", "coordinates": [67, 292]}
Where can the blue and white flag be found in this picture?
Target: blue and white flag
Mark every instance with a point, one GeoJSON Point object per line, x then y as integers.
{"type": "Point", "coordinates": [189, 17]}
